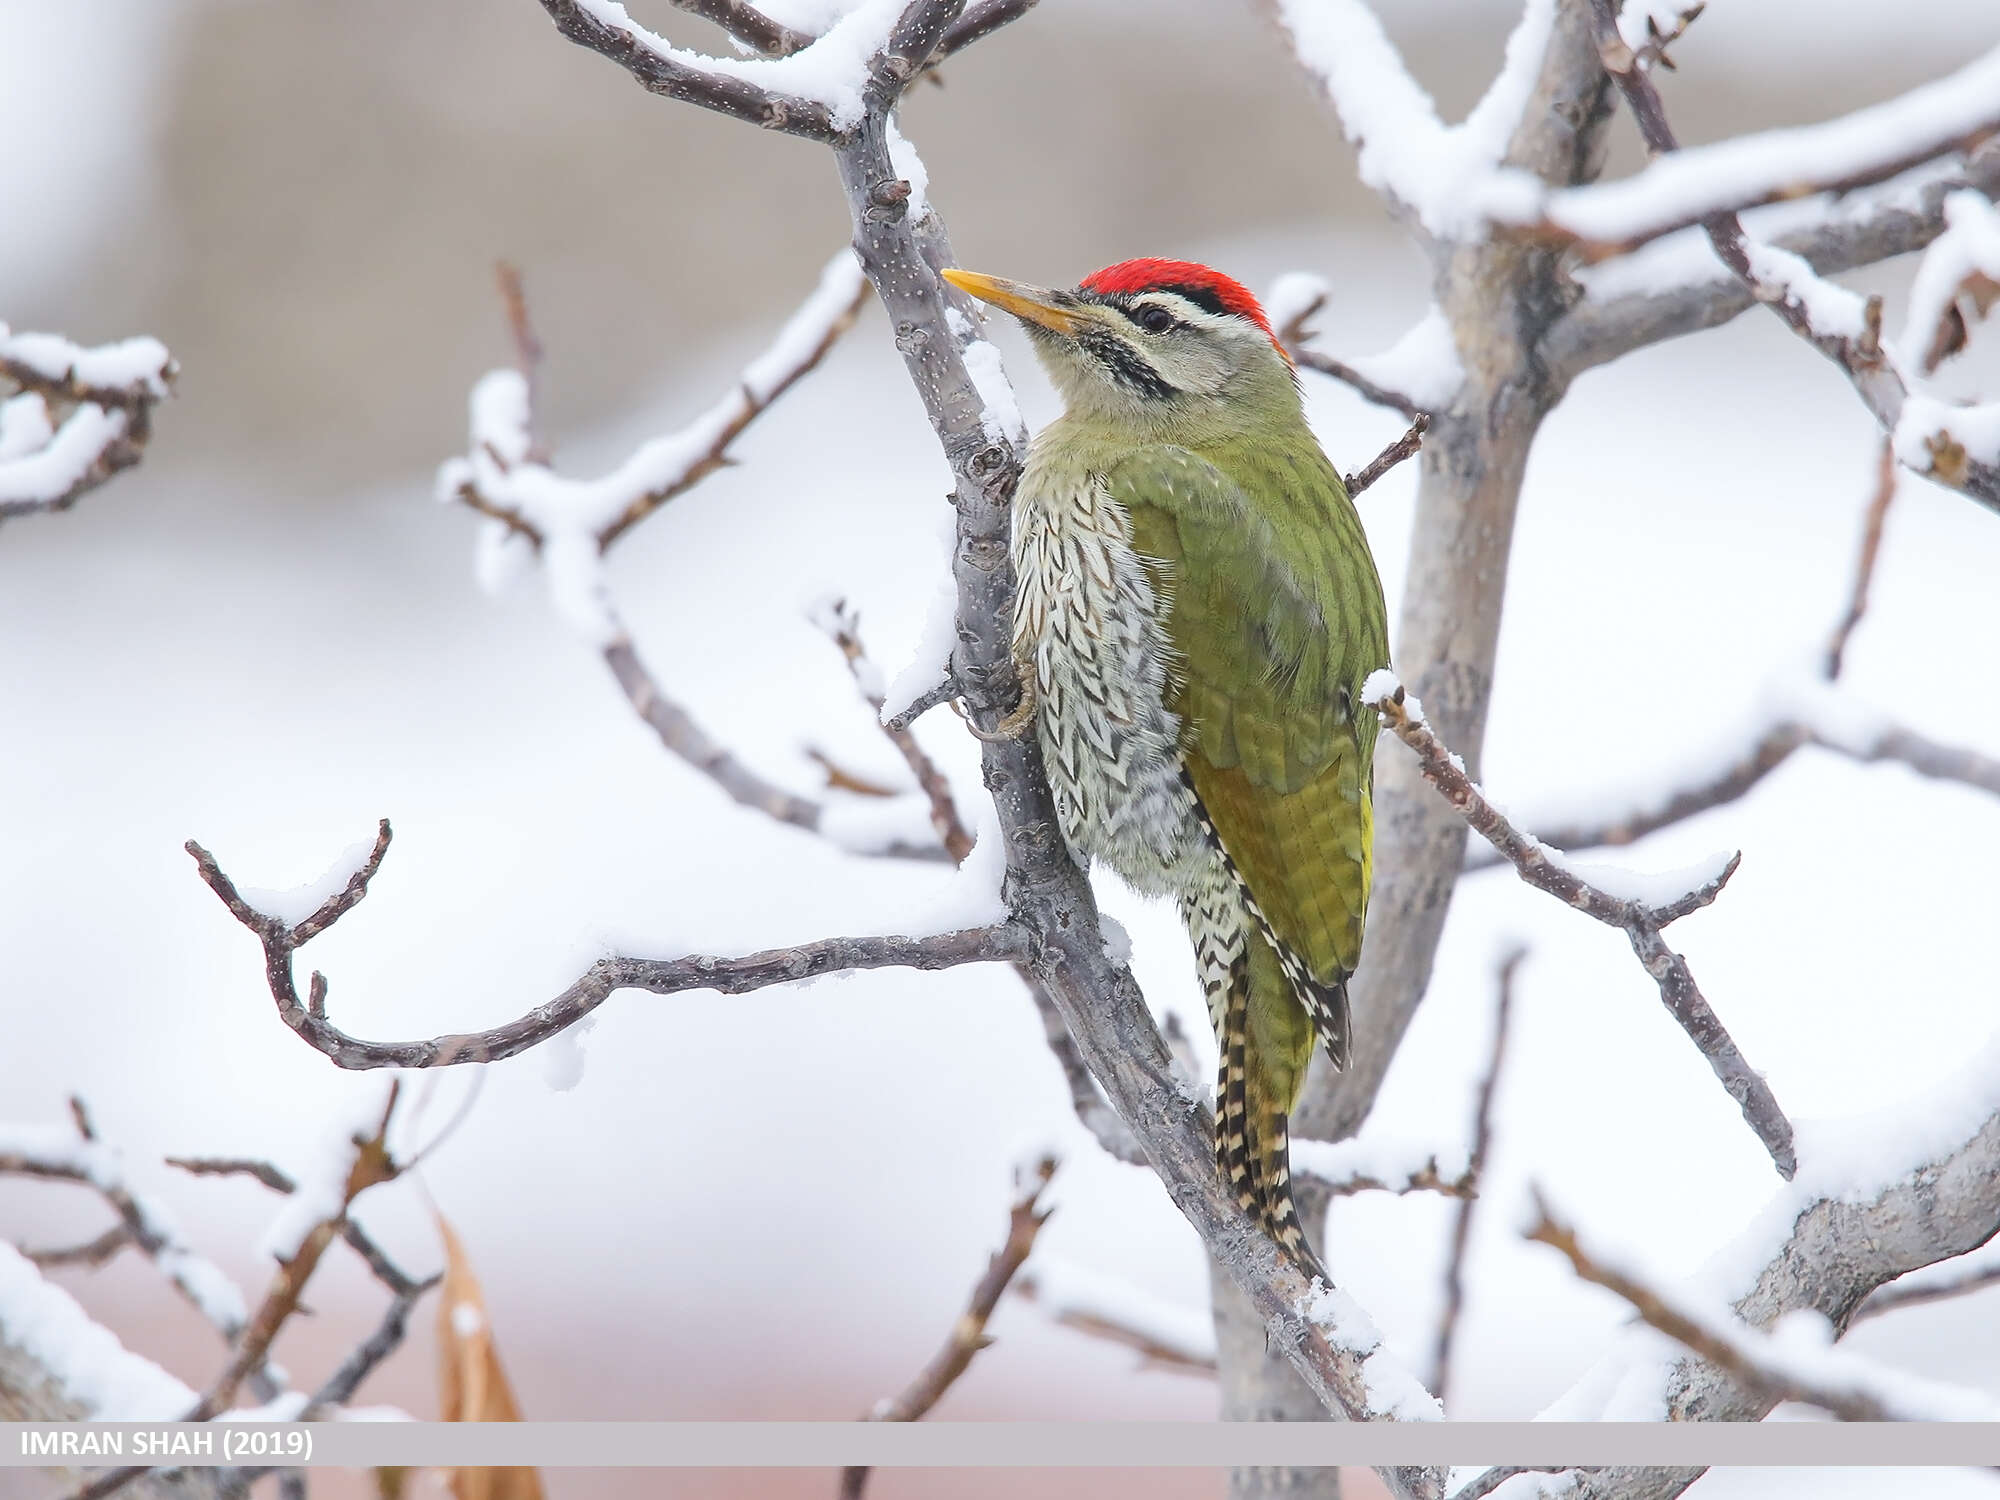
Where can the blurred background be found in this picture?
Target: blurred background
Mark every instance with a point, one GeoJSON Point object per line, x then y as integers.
{"type": "Point", "coordinates": [773, 1206]}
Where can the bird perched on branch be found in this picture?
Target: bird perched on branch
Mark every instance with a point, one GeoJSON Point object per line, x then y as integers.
{"type": "Point", "coordinates": [1197, 610]}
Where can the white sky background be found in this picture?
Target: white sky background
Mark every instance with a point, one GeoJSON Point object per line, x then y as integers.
{"type": "Point", "coordinates": [834, 1159]}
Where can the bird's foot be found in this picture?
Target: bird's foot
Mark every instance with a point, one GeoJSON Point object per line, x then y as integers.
{"type": "Point", "coordinates": [1018, 720]}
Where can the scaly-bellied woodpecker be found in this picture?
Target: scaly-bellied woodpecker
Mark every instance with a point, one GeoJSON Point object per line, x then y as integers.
{"type": "Point", "coordinates": [1196, 612]}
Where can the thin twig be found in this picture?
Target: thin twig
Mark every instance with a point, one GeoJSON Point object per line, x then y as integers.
{"type": "Point", "coordinates": [1002, 942]}
{"type": "Point", "coordinates": [1428, 1178]}
{"type": "Point", "coordinates": [1482, 1142]}
{"type": "Point", "coordinates": [1292, 336]}
{"type": "Point", "coordinates": [1406, 446]}
{"type": "Point", "coordinates": [1864, 563]}
{"type": "Point", "coordinates": [841, 623]}
{"type": "Point", "coordinates": [1916, 1292]}
{"type": "Point", "coordinates": [1641, 923]}
{"type": "Point", "coordinates": [968, 1333]}
{"type": "Point", "coordinates": [94, 1253]}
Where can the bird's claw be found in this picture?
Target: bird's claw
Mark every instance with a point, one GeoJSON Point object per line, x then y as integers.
{"type": "Point", "coordinates": [1017, 720]}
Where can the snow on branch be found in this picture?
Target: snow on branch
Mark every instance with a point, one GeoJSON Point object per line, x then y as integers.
{"type": "Point", "coordinates": [568, 525]}
{"type": "Point", "coordinates": [968, 1330]}
{"type": "Point", "coordinates": [1676, 285]}
{"type": "Point", "coordinates": [111, 391]}
{"type": "Point", "coordinates": [1001, 942]}
{"type": "Point", "coordinates": [503, 477]}
{"type": "Point", "coordinates": [48, 1340]}
{"type": "Point", "coordinates": [1683, 188]}
{"type": "Point", "coordinates": [311, 1221]}
{"type": "Point", "coordinates": [1794, 1361]}
{"type": "Point", "coordinates": [1638, 905]}
{"type": "Point", "coordinates": [1436, 174]}
{"type": "Point", "coordinates": [1363, 1165]}
{"type": "Point", "coordinates": [143, 1223]}
{"type": "Point", "coordinates": [1796, 712]}
{"type": "Point", "coordinates": [1957, 446]}
{"type": "Point", "coordinates": [1880, 1194]}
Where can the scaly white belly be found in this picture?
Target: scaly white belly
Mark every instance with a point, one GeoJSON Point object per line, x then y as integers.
{"type": "Point", "coordinates": [1086, 623]}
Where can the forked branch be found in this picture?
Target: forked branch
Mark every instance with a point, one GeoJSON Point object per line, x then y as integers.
{"type": "Point", "coordinates": [1639, 917]}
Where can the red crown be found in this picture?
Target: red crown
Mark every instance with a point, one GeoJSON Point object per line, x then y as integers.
{"type": "Point", "coordinates": [1190, 278]}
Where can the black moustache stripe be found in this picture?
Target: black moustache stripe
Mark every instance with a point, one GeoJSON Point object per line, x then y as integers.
{"type": "Point", "coordinates": [1126, 366]}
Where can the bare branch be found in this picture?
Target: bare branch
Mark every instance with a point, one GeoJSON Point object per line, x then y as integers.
{"type": "Point", "coordinates": [1482, 1141]}
{"type": "Point", "coordinates": [1003, 942]}
{"type": "Point", "coordinates": [1641, 922]}
{"type": "Point", "coordinates": [1295, 327]}
{"type": "Point", "coordinates": [1112, 1310]}
{"type": "Point", "coordinates": [923, 703]}
{"type": "Point", "coordinates": [1864, 565]}
{"type": "Point", "coordinates": [749, 26]}
{"type": "Point", "coordinates": [1771, 1368]}
{"type": "Point", "coordinates": [93, 1253]}
{"type": "Point", "coordinates": [1831, 319]}
{"type": "Point", "coordinates": [1404, 447]}
{"type": "Point", "coordinates": [1093, 1110]}
{"type": "Point", "coordinates": [1937, 1283]}
{"type": "Point", "coordinates": [682, 736]}
{"type": "Point", "coordinates": [968, 1332]}
{"type": "Point", "coordinates": [979, 22]}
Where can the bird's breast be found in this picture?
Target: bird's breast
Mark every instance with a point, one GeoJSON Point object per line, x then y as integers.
{"type": "Point", "coordinates": [1087, 624]}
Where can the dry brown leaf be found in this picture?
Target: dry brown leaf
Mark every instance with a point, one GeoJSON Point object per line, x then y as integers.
{"type": "Point", "coordinates": [472, 1384]}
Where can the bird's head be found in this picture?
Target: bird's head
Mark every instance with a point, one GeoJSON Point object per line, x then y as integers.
{"type": "Point", "coordinates": [1161, 344]}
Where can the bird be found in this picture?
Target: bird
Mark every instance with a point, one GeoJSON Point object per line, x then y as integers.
{"type": "Point", "coordinates": [1196, 610]}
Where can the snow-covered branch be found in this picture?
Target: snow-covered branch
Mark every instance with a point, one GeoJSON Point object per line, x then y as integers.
{"type": "Point", "coordinates": [1434, 174]}
{"type": "Point", "coordinates": [1676, 285]}
{"type": "Point", "coordinates": [1639, 906]}
{"type": "Point", "coordinates": [567, 526]}
{"type": "Point", "coordinates": [1797, 711]}
{"type": "Point", "coordinates": [968, 1331]}
{"type": "Point", "coordinates": [79, 1156]}
{"type": "Point", "coordinates": [1683, 188]}
{"type": "Point", "coordinates": [1957, 446]}
{"type": "Point", "coordinates": [1881, 1194]}
{"type": "Point", "coordinates": [1794, 1361]}
{"type": "Point", "coordinates": [1000, 943]}
{"type": "Point", "coordinates": [111, 391]}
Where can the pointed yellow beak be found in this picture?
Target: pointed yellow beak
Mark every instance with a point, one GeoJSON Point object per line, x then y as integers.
{"type": "Point", "coordinates": [1035, 304]}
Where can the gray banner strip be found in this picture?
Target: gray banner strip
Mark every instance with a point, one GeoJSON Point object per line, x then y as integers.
{"type": "Point", "coordinates": [998, 1444]}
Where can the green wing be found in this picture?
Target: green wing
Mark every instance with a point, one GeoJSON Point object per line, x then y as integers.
{"type": "Point", "coordinates": [1276, 613]}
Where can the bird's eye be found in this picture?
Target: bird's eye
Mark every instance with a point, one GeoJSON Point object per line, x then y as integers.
{"type": "Point", "coordinates": [1155, 319]}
